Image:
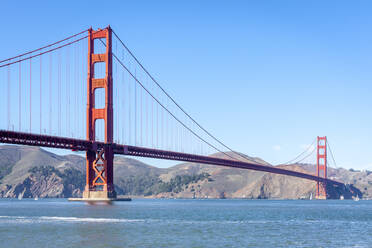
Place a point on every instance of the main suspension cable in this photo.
(41, 48)
(41, 53)
(298, 156)
(184, 111)
(166, 109)
(311, 153)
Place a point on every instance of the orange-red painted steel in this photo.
(321, 167)
(100, 163)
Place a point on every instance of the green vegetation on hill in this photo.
(177, 183)
(138, 185)
(45, 171)
(150, 185)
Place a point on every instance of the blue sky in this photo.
(266, 77)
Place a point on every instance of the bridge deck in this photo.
(12, 137)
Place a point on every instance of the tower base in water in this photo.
(96, 197)
(102, 194)
(321, 197)
(99, 198)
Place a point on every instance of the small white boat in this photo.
(36, 198)
(20, 196)
(311, 196)
(342, 197)
(356, 198)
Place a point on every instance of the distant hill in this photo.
(31, 172)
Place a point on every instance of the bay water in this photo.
(186, 223)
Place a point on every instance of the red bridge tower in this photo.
(99, 177)
(321, 167)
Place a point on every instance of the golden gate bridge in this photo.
(89, 92)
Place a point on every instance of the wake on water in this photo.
(33, 219)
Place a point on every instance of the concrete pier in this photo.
(99, 200)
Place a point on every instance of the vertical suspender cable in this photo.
(166, 135)
(117, 108)
(130, 111)
(68, 90)
(141, 113)
(125, 103)
(135, 109)
(147, 119)
(176, 136)
(152, 123)
(50, 93)
(19, 97)
(76, 81)
(157, 125)
(77, 93)
(59, 93)
(8, 98)
(173, 135)
(30, 95)
(40, 91)
(124, 106)
(82, 93)
(162, 128)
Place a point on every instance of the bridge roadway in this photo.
(29, 139)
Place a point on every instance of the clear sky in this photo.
(266, 77)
